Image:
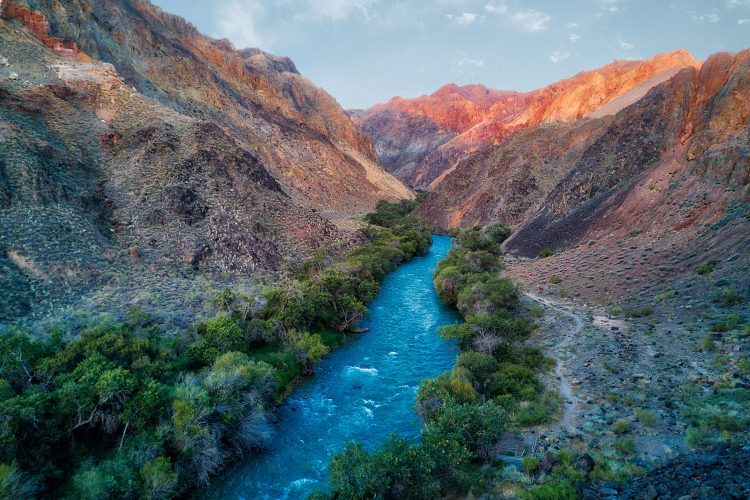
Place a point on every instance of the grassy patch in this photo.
(641, 312)
(621, 426)
(546, 252)
(727, 297)
(721, 415)
(707, 268)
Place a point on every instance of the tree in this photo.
(516, 380)
(159, 480)
(223, 334)
(481, 426)
(497, 232)
(488, 296)
(398, 470)
(450, 454)
(309, 349)
(479, 367)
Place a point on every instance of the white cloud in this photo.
(571, 25)
(573, 37)
(237, 21)
(711, 18)
(496, 8)
(558, 56)
(464, 65)
(625, 45)
(738, 3)
(528, 20)
(743, 22)
(464, 19)
(478, 63)
(338, 10)
(610, 5)
(531, 20)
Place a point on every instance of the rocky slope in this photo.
(131, 143)
(625, 201)
(422, 139)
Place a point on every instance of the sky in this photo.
(367, 51)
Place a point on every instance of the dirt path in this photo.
(561, 353)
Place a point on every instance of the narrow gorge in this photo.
(219, 279)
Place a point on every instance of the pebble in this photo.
(4, 62)
(13, 76)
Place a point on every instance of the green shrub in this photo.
(621, 426)
(544, 408)
(697, 436)
(720, 362)
(16, 484)
(553, 490)
(481, 426)
(646, 417)
(642, 312)
(546, 252)
(726, 297)
(625, 446)
(707, 268)
(608, 468)
(223, 334)
(669, 294)
(491, 295)
(309, 349)
(530, 464)
(479, 366)
(518, 381)
(159, 480)
(708, 344)
(397, 470)
(555, 279)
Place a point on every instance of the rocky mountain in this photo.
(633, 175)
(630, 203)
(131, 142)
(422, 139)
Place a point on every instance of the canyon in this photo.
(210, 199)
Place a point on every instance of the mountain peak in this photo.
(479, 115)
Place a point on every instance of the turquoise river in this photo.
(364, 390)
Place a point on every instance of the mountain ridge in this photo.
(468, 124)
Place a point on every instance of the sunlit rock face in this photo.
(421, 139)
(669, 172)
(130, 140)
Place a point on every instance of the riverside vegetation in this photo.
(493, 388)
(124, 411)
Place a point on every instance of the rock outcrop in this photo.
(37, 24)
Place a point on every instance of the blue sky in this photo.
(367, 51)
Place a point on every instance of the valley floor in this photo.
(631, 388)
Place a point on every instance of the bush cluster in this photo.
(124, 411)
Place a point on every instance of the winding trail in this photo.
(571, 406)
